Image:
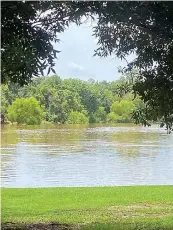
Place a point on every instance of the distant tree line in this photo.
(71, 101)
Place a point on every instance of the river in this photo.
(85, 155)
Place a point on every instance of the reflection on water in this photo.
(85, 155)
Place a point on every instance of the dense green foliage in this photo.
(25, 111)
(77, 118)
(122, 28)
(121, 111)
(146, 29)
(28, 29)
(70, 101)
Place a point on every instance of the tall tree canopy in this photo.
(144, 28)
(122, 28)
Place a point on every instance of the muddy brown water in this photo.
(85, 155)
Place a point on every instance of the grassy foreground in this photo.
(129, 207)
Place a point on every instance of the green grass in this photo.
(148, 207)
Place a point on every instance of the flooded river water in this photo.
(85, 155)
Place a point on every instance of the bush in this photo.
(77, 118)
(25, 111)
(121, 111)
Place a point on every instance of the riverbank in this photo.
(142, 207)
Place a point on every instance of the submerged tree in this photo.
(77, 118)
(121, 111)
(25, 111)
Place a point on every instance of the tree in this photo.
(25, 111)
(89, 98)
(100, 115)
(63, 102)
(4, 98)
(77, 118)
(121, 111)
(144, 28)
(113, 118)
(28, 30)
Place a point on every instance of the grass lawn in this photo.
(129, 207)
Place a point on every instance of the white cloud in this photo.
(74, 65)
(76, 59)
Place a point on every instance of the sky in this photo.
(76, 59)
